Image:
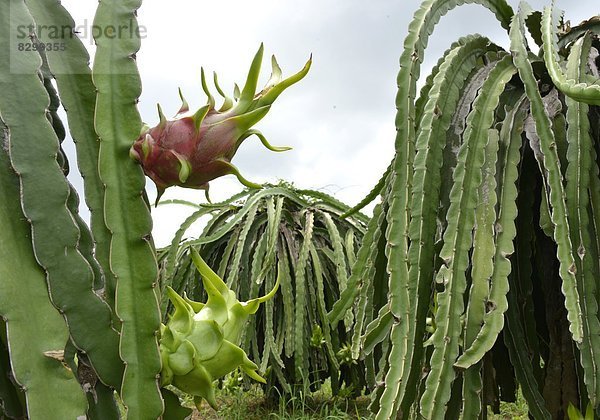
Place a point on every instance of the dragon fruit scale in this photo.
(194, 148)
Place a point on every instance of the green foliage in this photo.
(487, 226)
(298, 237)
(127, 216)
(58, 253)
(574, 413)
(32, 148)
(251, 404)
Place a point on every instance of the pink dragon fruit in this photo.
(193, 149)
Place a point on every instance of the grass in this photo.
(252, 404)
(509, 411)
(240, 404)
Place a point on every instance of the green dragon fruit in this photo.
(200, 341)
(193, 149)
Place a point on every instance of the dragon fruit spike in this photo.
(198, 117)
(249, 89)
(211, 99)
(228, 102)
(185, 107)
(161, 116)
(194, 148)
(264, 141)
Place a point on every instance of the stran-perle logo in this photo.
(85, 31)
(30, 38)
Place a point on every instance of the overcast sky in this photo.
(339, 119)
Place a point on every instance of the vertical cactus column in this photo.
(551, 163)
(33, 148)
(78, 96)
(127, 216)
(404, 295)
(35, 331)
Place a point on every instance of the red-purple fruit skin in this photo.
(215, 139)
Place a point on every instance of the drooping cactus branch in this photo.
(488, 241)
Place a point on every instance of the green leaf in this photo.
(574, 413)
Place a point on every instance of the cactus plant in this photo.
(487, 222)
(91, 291)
